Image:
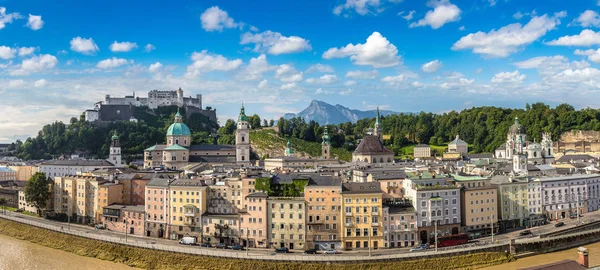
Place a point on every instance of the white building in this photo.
(435, 201)
(458, 146)
(58, 168)
(564, 196)
(534, 197)
(422, 151)
(156, 99)
(516, 143)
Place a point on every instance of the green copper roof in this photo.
(178, 129)
(460, 178)
(242, 115)
(151, 148)
(115, 136)
(326, 137)
(176, 147)
(288, 150)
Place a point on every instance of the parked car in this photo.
(187, 241)
(330, 251)
(525, 232)
(205, 245)
(418, 248)
(560, 224)
(424, 245)
(100, 226)
(310, 251)
(282, 250)
(237, 247)
(221, 246)
(20, 210)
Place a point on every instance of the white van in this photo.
(187, 240)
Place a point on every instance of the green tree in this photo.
(2, 203)
(37, 192)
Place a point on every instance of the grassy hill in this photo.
(267, 143)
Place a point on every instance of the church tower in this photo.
(289, 152)
(242, 140)
(326, 145)
(377, 129)
(114, 156)
(547, 148)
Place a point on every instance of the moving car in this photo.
(418, 248)
(187, 241)
(205, 245)
(525, 232)
(310, 251)
(282, 250)
(221, 246)
(237, 247)
(330, 251)
(560, 224)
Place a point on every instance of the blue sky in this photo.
(276, 56)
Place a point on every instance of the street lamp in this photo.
(435, 235)
(125, 221)
(247, 241)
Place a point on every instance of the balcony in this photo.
(190, 210)
(375, 224)
(189, 222)
(374, 213)
(348, 214)
(349, 224)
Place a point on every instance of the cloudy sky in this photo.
(276, 56)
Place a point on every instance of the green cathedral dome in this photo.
(178, 129)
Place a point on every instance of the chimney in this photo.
(582, 259)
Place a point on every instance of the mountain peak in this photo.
(325, 113)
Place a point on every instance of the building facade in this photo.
(362, 211)
(323, 196)
(286, 216)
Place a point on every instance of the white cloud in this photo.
(149, 47)
(84, 45)
(40, 83)
(320, 68)
(111, 63)
(592, 55)
(253, 28)
(478, 70)
(362, 75)
(7, 52)
(509, 77)
(377, 51)
(35, 64)
(35, 22)
(443, 12)
(492, 2)
(455, 84)
(275, 43)
(408, 16)
(263, 84)
(585, 38)
(155, 67)
(255, 69)
(432, 67)
(122, 46)
(288, 86)
(361, 7)
(215, 19)
(325, 79)
(205, 62)
(320, 91)
(24, 51)
(350, 83)
(346, 92)
(519, 15)
(395, 79)
(7, 18)
(508, 39)
(287, 73)
(576, 75)
(588, 18)
(550, 65)
(462, 28)
(16, 83)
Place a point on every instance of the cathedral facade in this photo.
(179, 152)
(517, 147)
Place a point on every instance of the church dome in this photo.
(178, 129)
(516, 128)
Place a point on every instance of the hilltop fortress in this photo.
(123, 108)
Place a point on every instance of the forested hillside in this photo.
(93, 141)
(484, 128)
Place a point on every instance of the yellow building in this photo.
(108, 193)
(77, 196)
(362, 212)
(288, 223)
(24, 172)
(188, 202)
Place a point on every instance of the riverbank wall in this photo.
(156, 259)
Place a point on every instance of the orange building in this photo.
(324, 204)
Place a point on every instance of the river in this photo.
(19, 254)
(569, 254)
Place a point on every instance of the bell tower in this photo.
(377, 128)
(114, 156)
(326, 145)
(242, 140)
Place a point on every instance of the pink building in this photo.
(124, 218)
(253, 223)
(157, 207)
(400, 225)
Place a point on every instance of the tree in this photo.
(37, 192)
(271, 122)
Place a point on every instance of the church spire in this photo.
(326, 137)
(242, 116)
(178, 118)
(377, 128)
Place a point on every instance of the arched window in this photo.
(375, 160)
(366, 160)
(184, 141)
(243, 139)
(549, 154)
(176, 141)
(534, 154)
(243, 158)
(381, 160)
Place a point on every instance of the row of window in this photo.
(362, 232)
(439, 212)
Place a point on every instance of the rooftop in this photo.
(188, 183)
(6, 169)
(361, 188)
(371, 145)
(70, 162)
(465, 178)
(211, 147)
(569, 177)
(132, 208)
